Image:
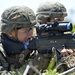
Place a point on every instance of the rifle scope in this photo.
(54, 26)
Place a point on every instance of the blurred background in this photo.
(33, 4)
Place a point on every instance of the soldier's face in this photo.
(24, 34)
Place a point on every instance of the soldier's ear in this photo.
(11, 34)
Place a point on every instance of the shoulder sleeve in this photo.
(4, 65)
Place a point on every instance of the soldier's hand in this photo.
(66, 51)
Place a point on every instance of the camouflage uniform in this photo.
(13, 58)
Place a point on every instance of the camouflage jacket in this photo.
(5, 68)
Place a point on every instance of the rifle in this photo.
(56, 37)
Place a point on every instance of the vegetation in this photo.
(73, 30)
(53, 67)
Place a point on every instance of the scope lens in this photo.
(69, 26)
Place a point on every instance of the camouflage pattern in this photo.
(4, 64)
(50, 9)
(70, 60)
(17, 16)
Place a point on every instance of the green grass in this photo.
(73, 30)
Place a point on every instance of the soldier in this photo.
(47, 12)
(16, 31)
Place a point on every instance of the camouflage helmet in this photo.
(17, 16)
(52, 9)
